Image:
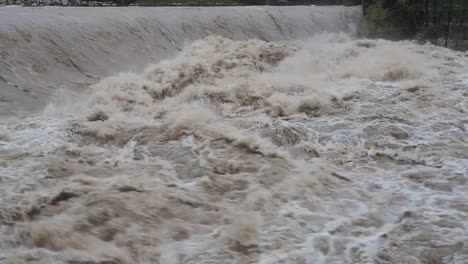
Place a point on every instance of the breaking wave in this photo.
(330, 150)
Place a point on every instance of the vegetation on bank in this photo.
(443, 22)
(247, 2)
(186, 2)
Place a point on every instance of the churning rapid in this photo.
(329, 149)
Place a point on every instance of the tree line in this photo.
(443, 22)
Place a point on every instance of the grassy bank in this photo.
(187, 2)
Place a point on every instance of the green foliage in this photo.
(377, 19)
(439, 21)
(186, 2)
(407, 17)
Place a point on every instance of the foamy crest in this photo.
(331, 150)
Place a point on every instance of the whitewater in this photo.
(228, 135)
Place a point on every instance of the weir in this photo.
(44, 49)
(235, 135)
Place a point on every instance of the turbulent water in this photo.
(326, 150)
(50, 48)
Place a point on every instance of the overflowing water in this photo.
(326, 150)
